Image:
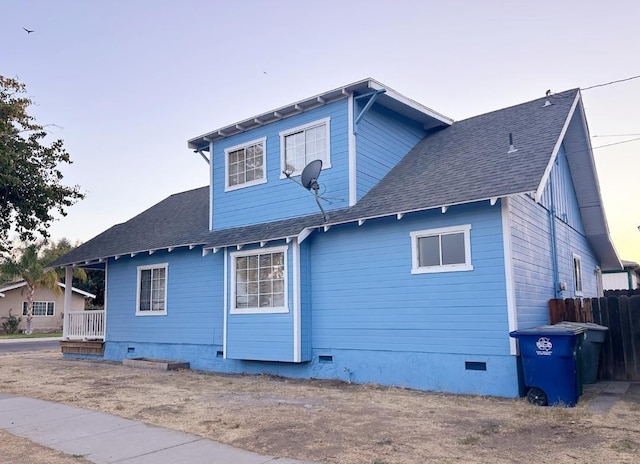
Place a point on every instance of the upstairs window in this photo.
(301, 145)
(577, 274)
(245, 164)
(259, 281)
(40, 308)
(152, 290)
(446, 249)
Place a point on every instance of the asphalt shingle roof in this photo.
(465, 162)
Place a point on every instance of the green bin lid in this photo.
(547, 330)
(586, 325)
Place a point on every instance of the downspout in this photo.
(554, 255)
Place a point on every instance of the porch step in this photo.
(95, 347)
(157, 364)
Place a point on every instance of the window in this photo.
(577, 274)
(259, 281)
(301, 145)
(152, 290)
(245, 164)
(40, 308)
(441, 250)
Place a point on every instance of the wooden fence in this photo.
(620, 354)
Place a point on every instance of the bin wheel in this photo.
(536, 396)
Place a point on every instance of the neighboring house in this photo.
(441, 238)
(626, 279)
(47, 305)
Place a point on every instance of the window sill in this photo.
(151, 313)
(439, 269)
(245, 185)
(299, 173)
(282, 310)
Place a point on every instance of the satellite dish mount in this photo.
(309, 180)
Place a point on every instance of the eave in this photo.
(389, 99)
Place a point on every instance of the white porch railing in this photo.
(83, 325)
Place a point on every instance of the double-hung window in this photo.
(152, 290)
(301, 145)
(245, 164)
(446, 249)
(40, 308)
(577, 274)
(259, 281)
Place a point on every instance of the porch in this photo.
(84, 325)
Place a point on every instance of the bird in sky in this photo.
(29, 31)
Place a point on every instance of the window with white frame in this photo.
(40, 308)
(245, 164)
(577, 274)
(446, 249)
(301, 145)
(259, 281)
(152, 290)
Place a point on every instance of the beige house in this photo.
(47, 305)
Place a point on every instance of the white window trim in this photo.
(415, 264)
(227, 187)
(578, 258)
(40, 315)
(166, 286)
(267, 310)
(325, 164)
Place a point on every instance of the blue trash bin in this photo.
(550, 363)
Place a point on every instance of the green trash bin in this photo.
(589, 356)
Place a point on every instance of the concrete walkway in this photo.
(31, 339)
(105, 439)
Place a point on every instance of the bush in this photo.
(11, 323)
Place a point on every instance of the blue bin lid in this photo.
(547, 330)
(586, 325)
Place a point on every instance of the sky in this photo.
(125, 84)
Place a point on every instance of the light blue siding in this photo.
(263, 337)
(533, 242)
(305, 301)
(281, 198)
(383, 138)
(532, 260)
(365, 297)
(194, 299)
(564, 195)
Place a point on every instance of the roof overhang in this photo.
(389, 99)
(576, 139)
(22, 283)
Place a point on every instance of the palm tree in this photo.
(30, 268)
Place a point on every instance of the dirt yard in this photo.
(333, 422)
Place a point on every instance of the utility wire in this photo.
(616, 135)
(616, 143)
(610, 83)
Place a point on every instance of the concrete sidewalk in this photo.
(104, 438)
(32, 339)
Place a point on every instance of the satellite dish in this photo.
(310, 174)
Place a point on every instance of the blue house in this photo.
(440, 237)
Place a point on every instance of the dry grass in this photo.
(16, 450)
(331, 422)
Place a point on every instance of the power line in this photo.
(616, 143)
(616, 135)
(610, 83)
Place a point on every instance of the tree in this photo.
(31, 188)
(29, 267)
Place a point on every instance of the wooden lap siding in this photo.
(194, 299)
(255, 204)
(365, 297)
(383, 138)
(532, 249)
